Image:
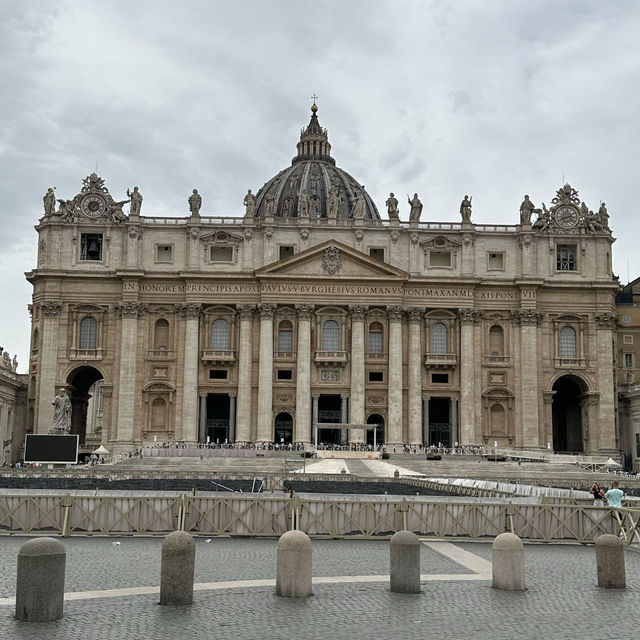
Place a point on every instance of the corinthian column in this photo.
(265, 376)
(303, 374)
(468, 318)
(129, 312)
(357, 372)
(394, 433)
(606, 426)
(528, 319)
(245, 348)
(191, 313)
(414, 377)
(48, 358)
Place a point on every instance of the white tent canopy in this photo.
(612, 463)
(101, 450)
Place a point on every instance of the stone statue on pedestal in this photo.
(49, 202)
(136, 201)
(526, 209)
(61, 413)
(392, 207)
(416, 208)
(249, 205)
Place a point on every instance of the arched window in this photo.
(159, 414)
(220, 335)
(375, 337)
(567, 343)
(497, 419)
(330, 336)
(161, 335)
(88, 333)
(438, 338)
(285, 336)
(496, 340)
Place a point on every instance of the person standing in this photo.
(614, 495)
(598, 495)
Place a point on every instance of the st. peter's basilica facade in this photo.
(312, 309)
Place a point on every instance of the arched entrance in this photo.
(283, 430)
(86, 404)
(378, 420)
(567, 415)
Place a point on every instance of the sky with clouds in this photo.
(443, 97)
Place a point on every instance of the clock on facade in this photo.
(93, 205)
(566, 217)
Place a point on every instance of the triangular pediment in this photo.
(331, 259)
(221, 237)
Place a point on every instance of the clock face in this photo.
(566, 217)
(93, 205)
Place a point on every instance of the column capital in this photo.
(245, 311)
(547, 396)
(605, 320)
(357, 311)
(266, 310)
(415, 314)
(305, 311)
(395, 312)
(527, 317)
(131, 309)
(469, 316)
(51, 309)
(189, 310)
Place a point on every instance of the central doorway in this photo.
(329, 410)
(567, 416)
(218, 411)
(378, 420)
(439, 422)
(283, 429)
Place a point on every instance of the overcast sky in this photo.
(495, 99)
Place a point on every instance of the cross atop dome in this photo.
(314, 140)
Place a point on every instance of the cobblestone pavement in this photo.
(353, 601)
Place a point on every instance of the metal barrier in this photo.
(334, 517)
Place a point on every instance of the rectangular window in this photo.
(440, 378)
(376, 253)
(286, 250)
(284, 374)
(495, 261)
(566, 259)
(628, 360)
(164, 253)
(439, 258)
(218, 374)
(627, 339)
(91, 246)
(376, 376)
(221, 254)
(375, 341)
(626, 319)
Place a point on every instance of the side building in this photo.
(311, 309)
(13, 405)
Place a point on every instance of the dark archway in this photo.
(283, 429)
(376, 419)
(80, 381)
(567, 415)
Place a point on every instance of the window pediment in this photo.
(441, 242)
(221, 237)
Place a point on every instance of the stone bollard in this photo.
(404, 562)
(40, 584)
(177, 569)
(610, 561)
(293, 571)
(508, 562)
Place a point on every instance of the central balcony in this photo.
(331, 357)
(218, 355)
(440, 360)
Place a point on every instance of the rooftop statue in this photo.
(195, 202)
(303, 204)
(249, 203)
(392, 207)
(416, 208)
(465, 209)
(49, 202)
(359, 207)
(526, 209)
(136, 201)
(333, 202)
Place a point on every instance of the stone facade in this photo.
(13, 401)
(312, 309)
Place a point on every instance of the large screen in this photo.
(60, 449)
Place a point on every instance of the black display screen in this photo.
(60, 449)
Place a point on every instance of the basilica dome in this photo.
(313, 187)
